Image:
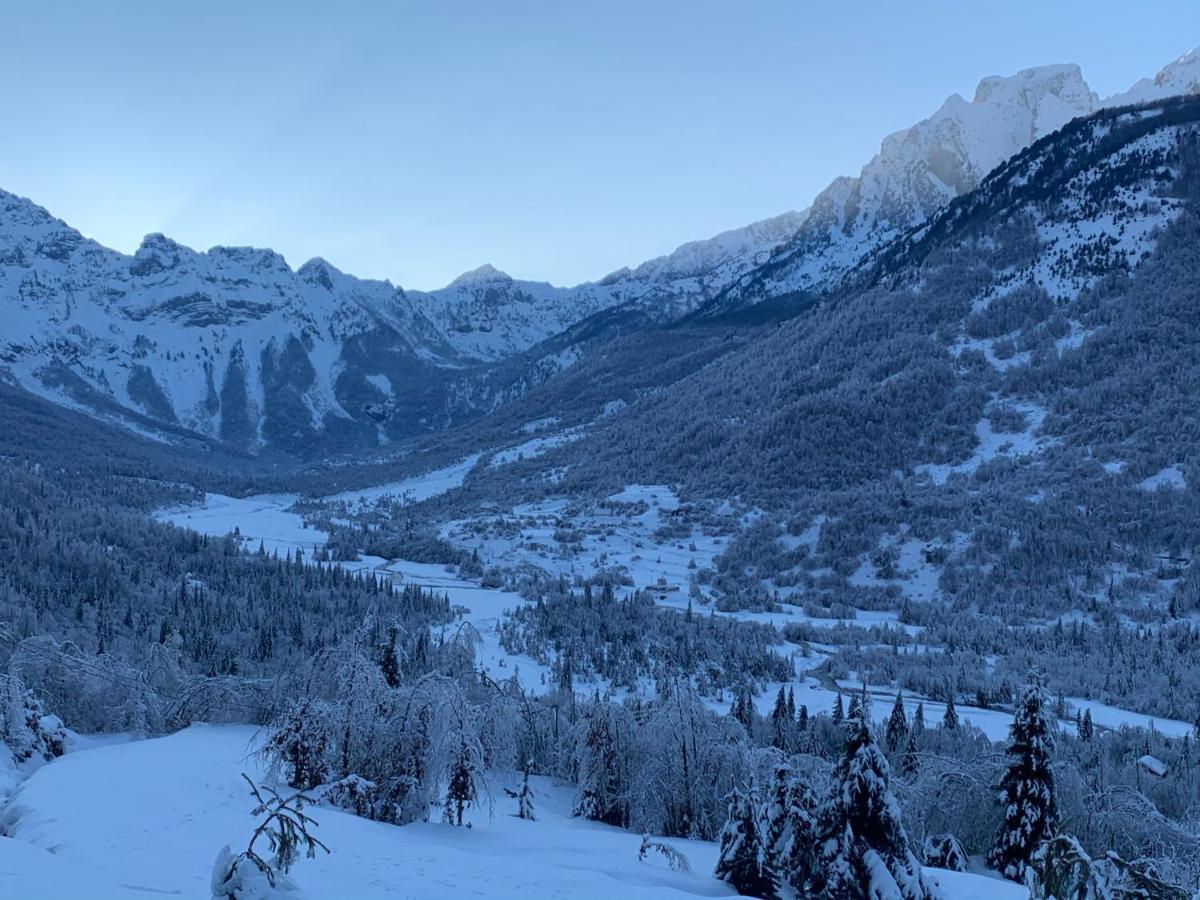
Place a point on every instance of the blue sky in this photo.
(558, 141)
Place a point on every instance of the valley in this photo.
(848, 554)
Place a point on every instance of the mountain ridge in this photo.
(232, 344)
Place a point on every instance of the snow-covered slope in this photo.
(920, 169)
(148, 817)
(230, 343)
(1180, 77)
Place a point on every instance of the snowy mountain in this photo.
(920, 169)
(234, 345)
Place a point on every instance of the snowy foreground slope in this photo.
(147, 817)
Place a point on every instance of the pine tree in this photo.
(896, 734)
(774, 818)
(1086, 729)
(918, 722)
(779, 721)
(743, 860)
(1027, 792)
(864, 851)
(791, 704)
(524, 796)
(838, 714)
(854, 708)
(389, 665)
(950, 719)
(792, 852)
(802, 718)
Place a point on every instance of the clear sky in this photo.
(556, 140)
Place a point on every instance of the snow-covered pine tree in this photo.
(1027, 791)
(950, 719)
(863, 848)
(24, 725)
(286, 830)
(524, 796)
(793, 853)
(773, 826)
(896, 735)
(918, 722)
(853, 708)
(945, 852)
(1062, 870)
(838, 713)
(743, 861)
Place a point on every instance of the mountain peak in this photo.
(1061, 80)
(1179, 77)
(320, 271)
(485, 274)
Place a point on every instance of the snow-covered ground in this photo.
(264, 518)
(536, 447)
(410, 490)
(149, 818)
(127, 821)
(1114, 717)
(605, 536)
(992, 444)
(618, 533)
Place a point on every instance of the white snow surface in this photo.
(147, 818)
(262, 518)
(411, 490)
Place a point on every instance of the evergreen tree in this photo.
(863, 849)
(918, 722)
(896, 734)
(1086, 729)
(854, 708)
(792, 851)
(1027, 791)
(743, 861)
(389, 665)
(524, 796)
(775, 819)
(838, 714)
(780, 721)
(950, 719)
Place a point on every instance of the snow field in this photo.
(125, 821)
